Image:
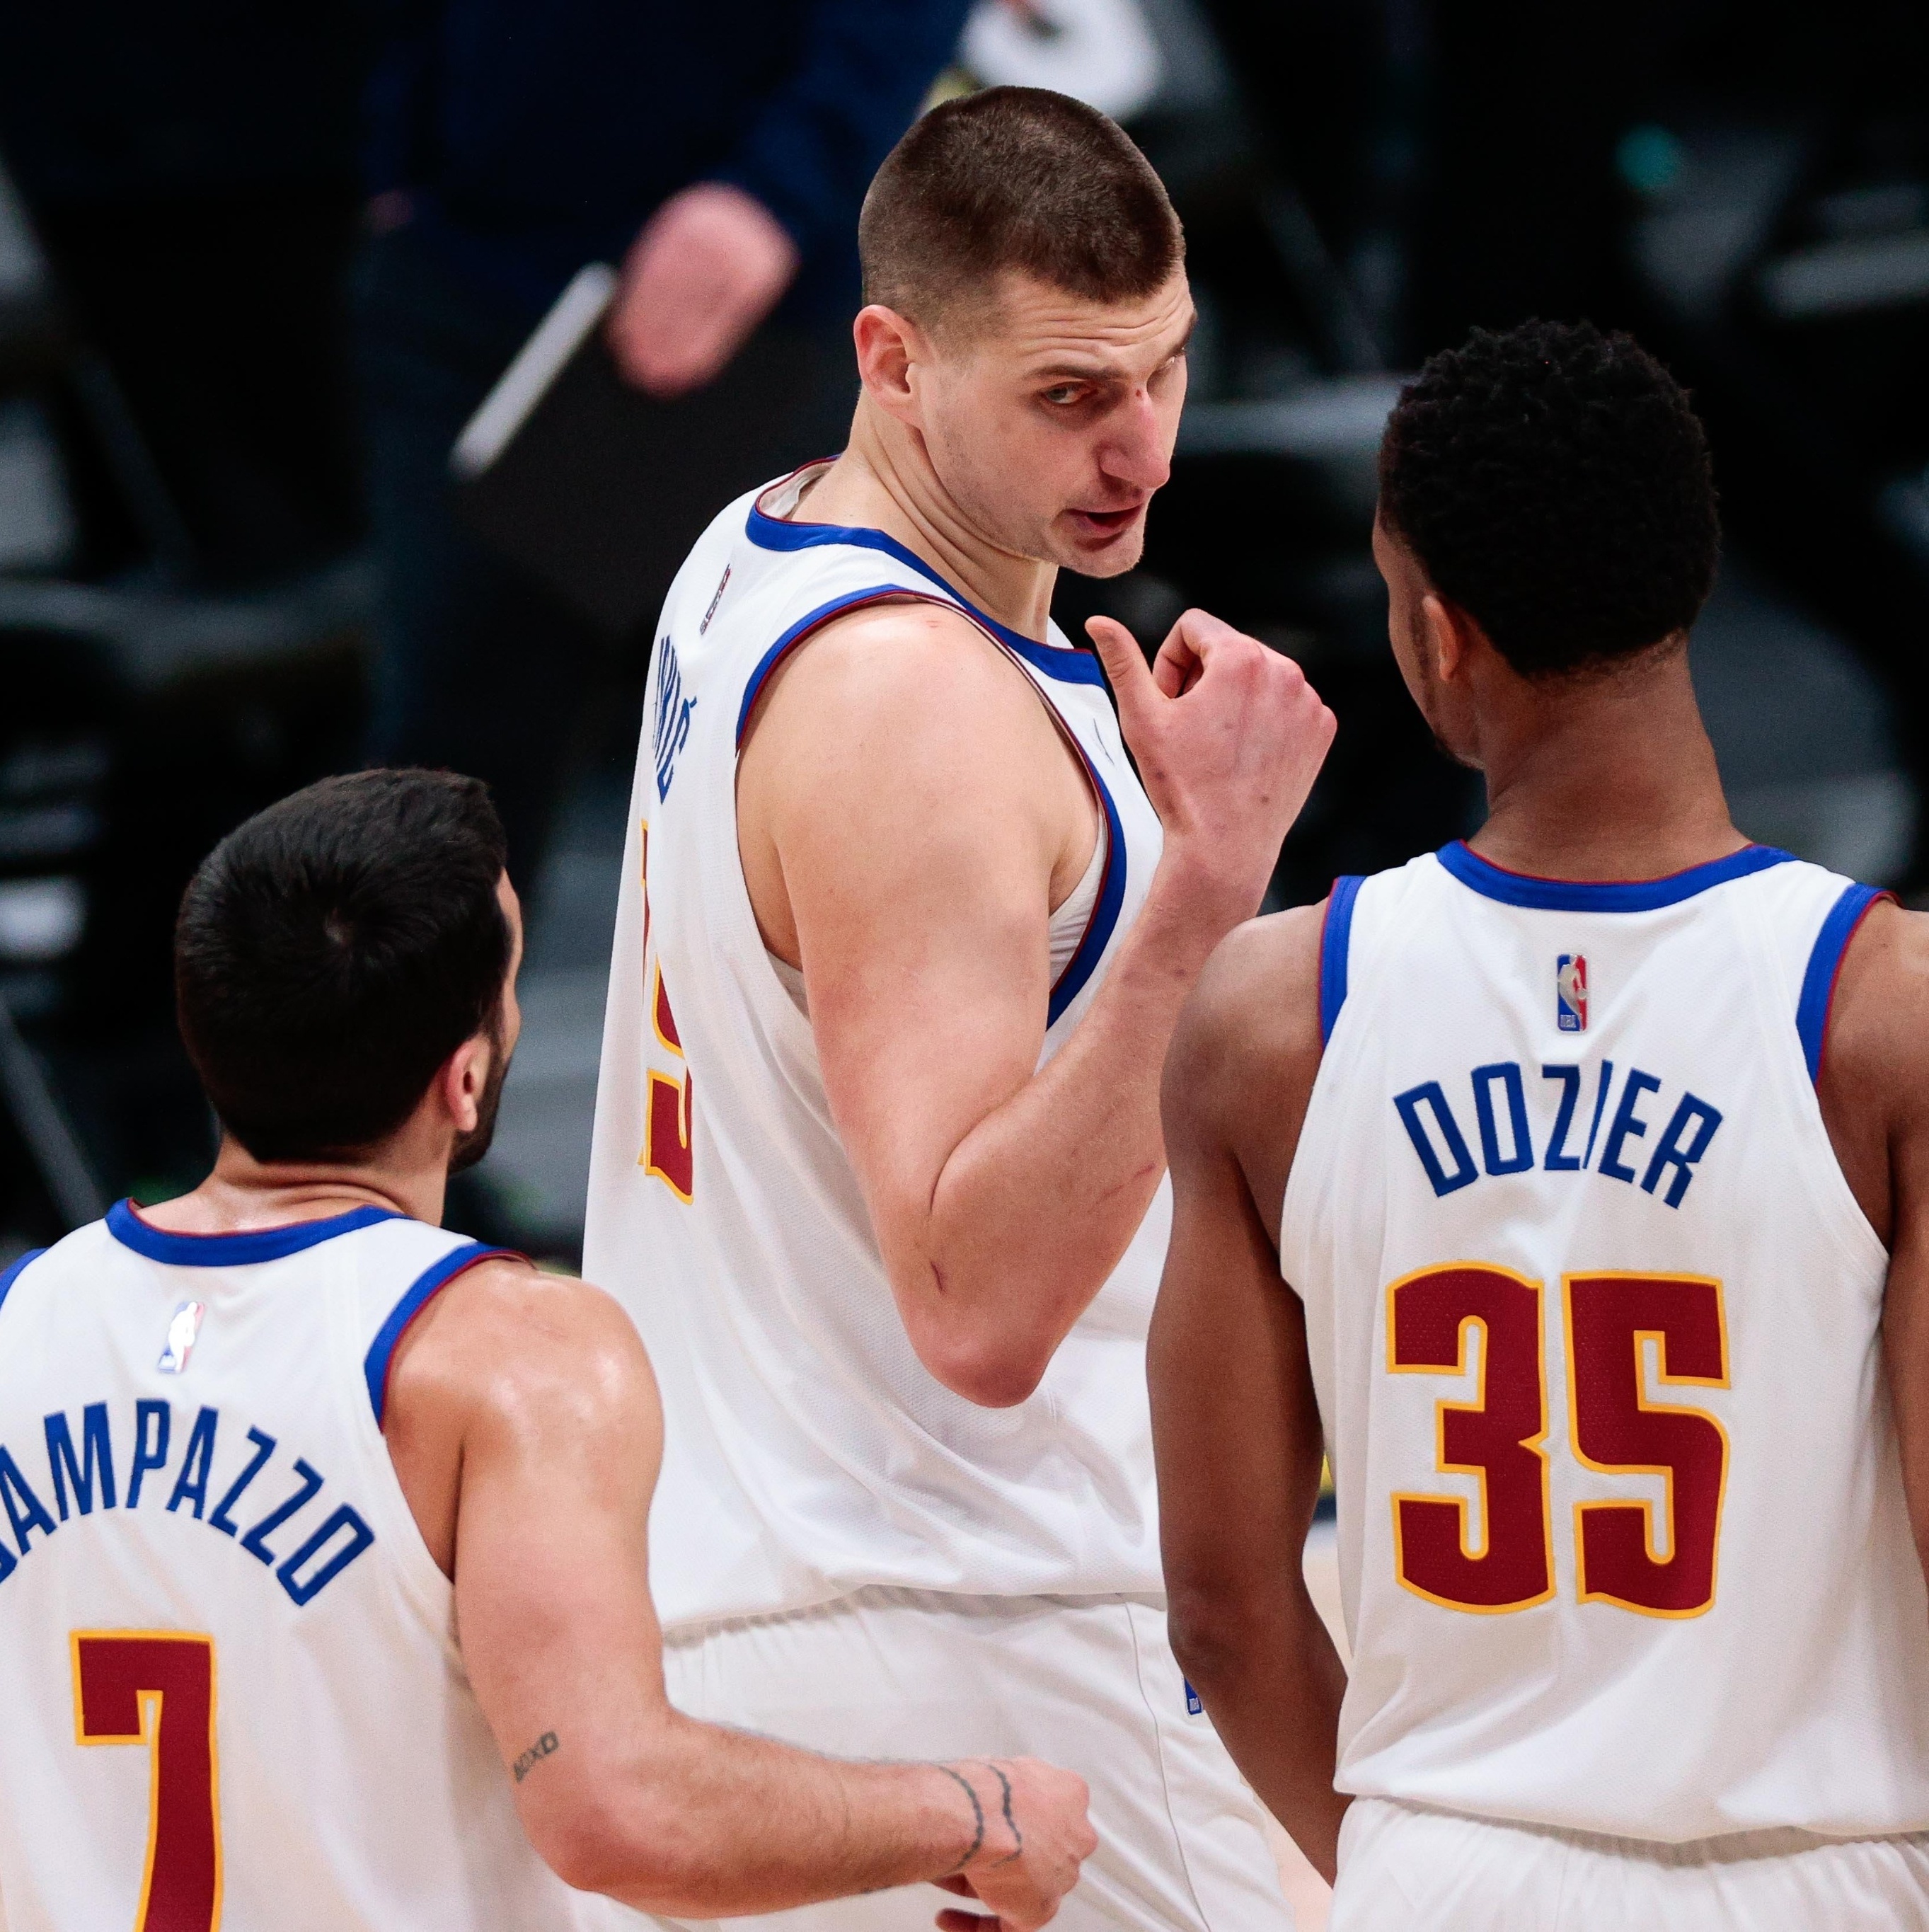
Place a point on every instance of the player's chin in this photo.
(1099, 545)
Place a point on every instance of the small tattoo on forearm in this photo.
(546, 1744)
(977, 1817)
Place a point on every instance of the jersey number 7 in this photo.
(1499, 1437)
(156, 1688)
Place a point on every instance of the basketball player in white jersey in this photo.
(1570, 1188)
(877, 1165)
(322, 1597)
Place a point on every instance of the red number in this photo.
(156, 1688)
(1610, 1321)
(662, 1019)
(1617, 1431)
(666, 1140)
(1497, 1437)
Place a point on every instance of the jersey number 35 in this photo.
(1500, 1437)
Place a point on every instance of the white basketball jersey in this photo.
(809, 1452)
(228, 1665)
(1594, 1322)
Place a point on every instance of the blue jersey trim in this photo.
(261, 1244)
(1071, 666)
(1336, 934)
(1522, 888)
(14, 1269)
(1104, 921)
(421, 1291)
(1825, 965)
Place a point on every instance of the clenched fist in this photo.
(1035, 1836)
(1229, 737)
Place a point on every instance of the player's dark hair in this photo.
(331, 952)
(1554, 483)
(1014, 178)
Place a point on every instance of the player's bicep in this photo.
(916, 842)
(553, 1607)
(1235, 1422)
(1874, 1092)
(1906, 1306)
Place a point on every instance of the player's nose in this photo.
(1138, 452)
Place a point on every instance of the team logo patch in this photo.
(1571, 993)
(182, 1331)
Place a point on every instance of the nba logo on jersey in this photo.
(182, 1332)
(1571, 993)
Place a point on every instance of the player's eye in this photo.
(1063, 394)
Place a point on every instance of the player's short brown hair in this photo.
(1014, 178)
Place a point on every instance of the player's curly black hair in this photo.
(1554, 483)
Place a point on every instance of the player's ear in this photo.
(887, 344)
(1441, 626)
(509, 1013)
(464, 1079)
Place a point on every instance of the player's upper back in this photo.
(206, 1551)
(1595, 1317)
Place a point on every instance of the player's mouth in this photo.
(1103, 525)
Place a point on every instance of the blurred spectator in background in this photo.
(192, 172)
(720, 153)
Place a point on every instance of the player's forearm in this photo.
(1272, 1683)
(703, 1822)
(1033, 1208)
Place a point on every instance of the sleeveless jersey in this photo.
(227, 1661)
(1594, 1320)
(809, 1452)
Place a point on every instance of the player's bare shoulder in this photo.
(504, 1318)
(900, 748)
(899, 663)
(1874, 1080)
(511, 1354)
(1247, 1047)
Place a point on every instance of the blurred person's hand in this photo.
(708, 267)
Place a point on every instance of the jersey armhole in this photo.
(13, 1271)
(1099, 929)
(1335, 934)
(381, 1356)
(1104, 920)
(1825, 968)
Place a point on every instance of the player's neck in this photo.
(242, 1193)
(884, 480)
(1611, 779)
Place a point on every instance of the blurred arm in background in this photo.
(725, 149)
(713, 261)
